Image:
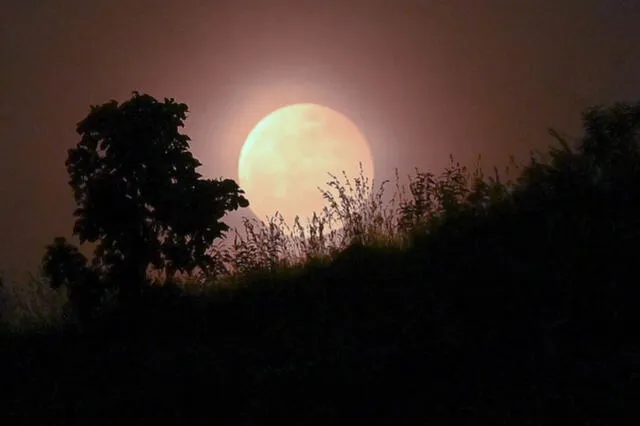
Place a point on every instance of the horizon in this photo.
(421, 80)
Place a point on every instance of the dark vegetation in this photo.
(472, 299)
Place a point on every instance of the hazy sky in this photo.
(421, 78)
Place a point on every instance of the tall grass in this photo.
(31, 304)
(358, 210)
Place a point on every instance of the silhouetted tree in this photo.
(138, 193)
(64, 266)
(62, 263)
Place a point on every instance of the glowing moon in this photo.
(288, 154)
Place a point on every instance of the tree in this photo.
(64, 265)
(612, 144)
(139, 196)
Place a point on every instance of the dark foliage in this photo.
(516, 306)
(3, 297)
(140, 198)
(65, 266)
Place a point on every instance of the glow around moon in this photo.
(289, 154)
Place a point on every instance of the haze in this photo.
(422, 79)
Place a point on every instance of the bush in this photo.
(32, 304)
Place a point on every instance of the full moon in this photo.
(288, 155)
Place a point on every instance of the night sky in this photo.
(422, 79)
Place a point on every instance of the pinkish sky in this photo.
(422, 79)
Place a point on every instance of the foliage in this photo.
(3, 296)
(506, 302)
(31, 304)
(351, 215)
(139, 196)
(358, 212)
(64, 266)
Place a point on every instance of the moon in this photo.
(288, 155)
